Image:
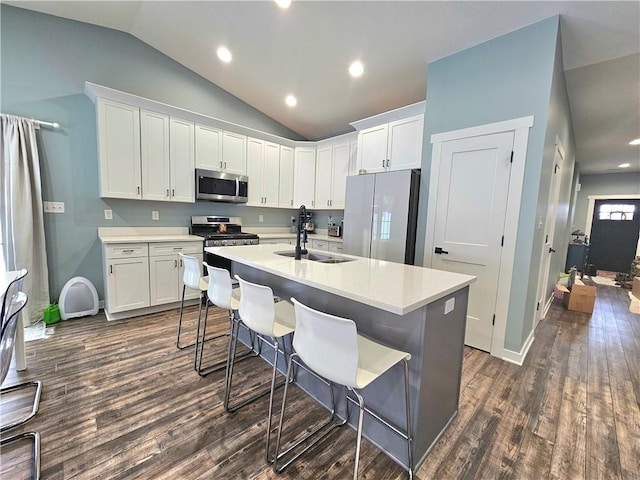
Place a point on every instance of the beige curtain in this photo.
(21, 214)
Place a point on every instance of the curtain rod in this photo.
(40, 123)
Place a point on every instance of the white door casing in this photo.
(543, 296)
(520, 127)
(471, 207)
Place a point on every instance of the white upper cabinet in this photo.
(263, 170)
(119, 149)
(271, 174)
(167, 153)
(323, 175)
(208, 148)
(392, 146)
(154, 150)
(332, 168)
(182, 160)
(234, 153)
(285, 184)
(305, 177)
(372, 148)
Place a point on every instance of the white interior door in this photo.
(473, 185)
(543, 295)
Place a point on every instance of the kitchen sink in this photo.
(315, 257)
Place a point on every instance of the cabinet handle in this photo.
(225, 165)
(387, 163)
(167, 192)
(175, 264)
(177, 248)
(110, 268)
(313, 203)
(291, 203)
(220, 165)
(128, 251)
(173, 192)
(138, 190)
(181, 263)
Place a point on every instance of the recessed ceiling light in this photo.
(635, 142)
(224, 54)
(291, 100)
(283, 3)
(356, 69)
(624, 165)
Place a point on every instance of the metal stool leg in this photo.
(359, 437)
(36, 449)
(233, 341)
(182, 347)
(199, 351)
(408, 408)
(34, 408)
(317, 432)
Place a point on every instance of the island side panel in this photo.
(386, 395)
(441, 371)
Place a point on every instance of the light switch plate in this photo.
(449, 305)
(53, 207)
(108, 214)
(155, 215)
(260, 218)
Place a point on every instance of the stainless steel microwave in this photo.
(221, 186)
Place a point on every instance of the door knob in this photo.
(440, 251)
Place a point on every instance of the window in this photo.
(616, 212)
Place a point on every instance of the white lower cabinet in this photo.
(276, 241)
(127, 272)
(319, 244)
(140, 275)
(335, 247)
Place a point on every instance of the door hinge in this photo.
(511, 161)
(493, 322)
(502, 241)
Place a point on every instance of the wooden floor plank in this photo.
(121, 402)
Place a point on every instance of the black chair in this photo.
(7, 342)
(14, 287)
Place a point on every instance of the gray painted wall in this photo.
(559, 126)
(45, 61)
(502, 79)
(611, 184)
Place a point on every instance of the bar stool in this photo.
(222, 294)
(191, 279)
(13, 287)
(8, 334)
(270, 321)
(331, 347)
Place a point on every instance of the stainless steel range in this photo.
(218, 231)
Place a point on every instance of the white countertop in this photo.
(389, 286)
(146, 235)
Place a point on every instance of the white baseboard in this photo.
(145, 311)
(518, 357)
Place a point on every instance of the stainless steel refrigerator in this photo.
(381, 214)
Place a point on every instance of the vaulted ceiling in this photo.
(306, 49)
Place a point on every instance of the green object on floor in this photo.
(51, 314)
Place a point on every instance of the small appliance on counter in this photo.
(308, 225)
(334, 230)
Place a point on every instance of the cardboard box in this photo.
(635, 291)
(581, 298)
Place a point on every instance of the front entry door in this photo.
(614, 234)
(473, 185)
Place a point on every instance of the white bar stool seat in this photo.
(222, 294)
(191, 278)
(332, 347)
(271, 321)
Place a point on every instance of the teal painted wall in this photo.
(604, 184)
(502, 79)
(45, 61)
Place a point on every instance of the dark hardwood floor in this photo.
(120, 402)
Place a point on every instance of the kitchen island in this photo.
(418, 310)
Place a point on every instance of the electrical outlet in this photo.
(108, 214)
(53, 207)
(260, 218)
(449, 305)
(155, 215)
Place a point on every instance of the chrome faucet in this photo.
(301, 232)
